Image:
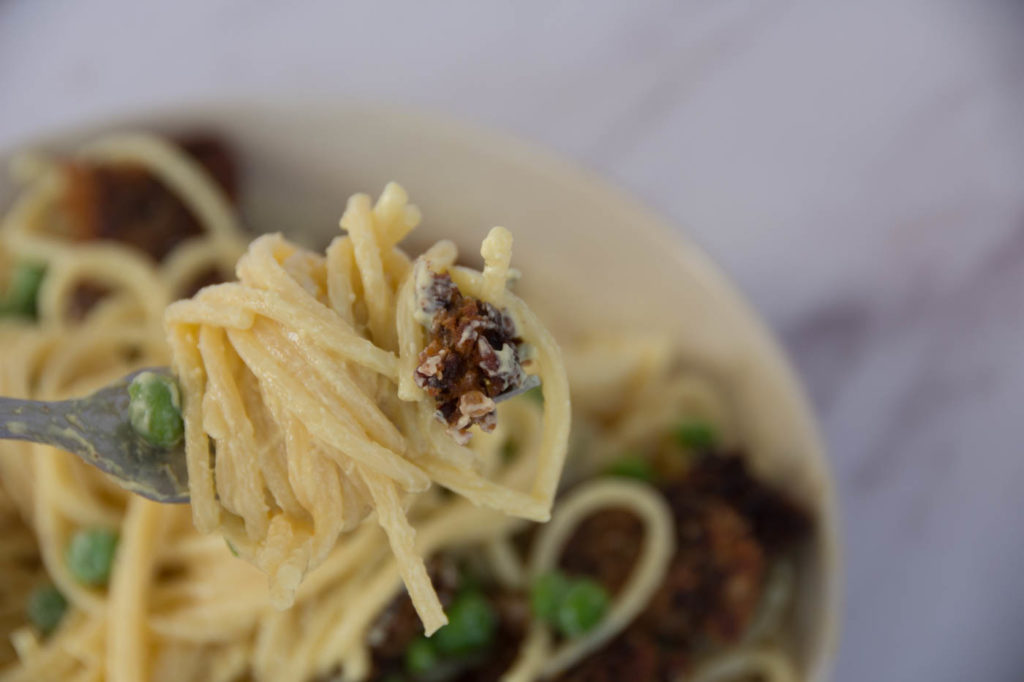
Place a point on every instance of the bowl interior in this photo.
(593, 257)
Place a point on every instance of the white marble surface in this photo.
(857, 166)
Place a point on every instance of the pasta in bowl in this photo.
(660, 532)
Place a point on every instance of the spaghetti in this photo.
(296, 389)
(303, 377)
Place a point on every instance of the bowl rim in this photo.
(671, 237)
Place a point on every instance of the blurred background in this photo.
(858, 168)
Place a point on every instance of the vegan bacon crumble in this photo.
(473, 354)
(126, 203)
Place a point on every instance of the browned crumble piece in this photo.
(472, 354)
(126, 203)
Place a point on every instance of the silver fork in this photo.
(98, 430)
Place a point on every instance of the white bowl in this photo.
(593, 257)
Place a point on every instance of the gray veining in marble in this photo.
(857, 166)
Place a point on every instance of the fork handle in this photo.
(49, 423)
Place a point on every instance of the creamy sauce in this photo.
(17, 428)
(68, 435)
(424, 280)
(508, 365)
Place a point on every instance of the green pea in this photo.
(582, 608)
(472, 625)
(470, 581)
(509, 449)
(633, 466)
(155, 409)
(421, 656)
(546, 595)
(695, 435)
(45, 608)
(23, 291)
(536, 395)
(91, 554)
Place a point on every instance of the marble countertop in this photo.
(858, 167)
